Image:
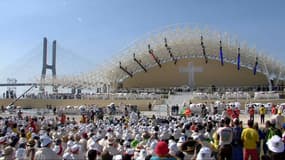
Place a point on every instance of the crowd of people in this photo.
(135, 137)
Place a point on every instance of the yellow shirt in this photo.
(249, 137)
(262, 110)
(215, 141)
(15, 130)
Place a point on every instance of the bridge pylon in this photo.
(46, 66)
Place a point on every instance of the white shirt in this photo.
(279, 121)
(225, 135)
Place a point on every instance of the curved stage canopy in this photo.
(177, 56)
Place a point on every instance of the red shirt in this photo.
(236, 113)
(62, 119)
(251, 111)
(273, 110)
(230, 112)
(193, 127)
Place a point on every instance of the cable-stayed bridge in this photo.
(27, 70)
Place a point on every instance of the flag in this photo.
(221, 54)
(238, 59)
(204, 50)
(255, 66)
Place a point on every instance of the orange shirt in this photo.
(187, 112)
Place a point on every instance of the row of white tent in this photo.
(122, 96)
(266, 95)
(235, 95)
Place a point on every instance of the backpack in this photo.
(273, 131)
(237, 136)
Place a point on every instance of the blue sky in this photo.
(97, 29)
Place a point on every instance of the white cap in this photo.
(204, 154)
(45, 140)
(143, 153)
(67, 156)
(56, 149)
(70, 143)
(117, 157)
(20, 153)
(138, 137)
(130, 151)
(182, 139)
(173, 149)
(2, 140)
(95, 146)
(275, 144)
(75, 148)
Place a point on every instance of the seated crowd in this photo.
(138, 137)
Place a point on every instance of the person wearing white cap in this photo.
(20, 154)
(205, 154)
(95, 147)
(45, 153)
(58, 150)
(276, 148)
(177, 133)
(75, 152)
(69, 144)
(150, 149)
(173, 149)
(67, 156)
(181, 140)
(142, 155)
(111, 148)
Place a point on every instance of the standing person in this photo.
(250, 138)
(212, 111)
(283, 132)
(273, 110)
(237, 143)
(54, 110)
(276, 148)
(236, 113)
(45, 152)
(261, 137)
(273, 130)
(251, 113)
(225, 136)
(2, 108)
(215, 110)
(262, 113)
(225, 114)
(31, 149)
(149, 106)
(230, 111)
(279, 119)
(265, 133)
(62, 119)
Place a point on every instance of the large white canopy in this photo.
(185, 42)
